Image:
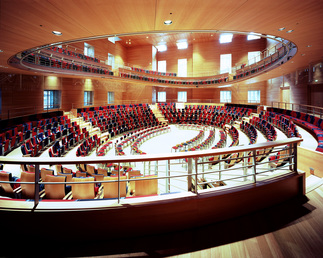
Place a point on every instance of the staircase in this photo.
(80, 121)
(158, 114)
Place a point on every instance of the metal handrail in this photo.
(309, 109)
(152, 157)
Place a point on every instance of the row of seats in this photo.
(266, 128)
(312, 123)
(206, 143)
(73, 54)
(88, 145)
(64, 191)
(62, 64)
(187, 145)
(152, 72)
(250, 131)
(122, 106)
(121, 120)
(172, 81)
(140, 137)
(281, 122)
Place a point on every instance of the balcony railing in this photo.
(191, 171)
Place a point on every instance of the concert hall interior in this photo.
(178, 128)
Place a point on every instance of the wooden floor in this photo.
(294, 229)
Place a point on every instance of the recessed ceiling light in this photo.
(302, 54)
(308, 45)
(289, 31)
(168, 22)
(1, 50)
(282, 28)
(147, 37)
(57, 33)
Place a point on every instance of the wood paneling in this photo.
(310, 159)
(206, 55)
(173, 54)
(140, 56)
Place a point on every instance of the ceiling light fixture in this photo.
(57, 33)
(1, 50)
(282, 28)
(308, 45)
(289, 31)
(168, 22)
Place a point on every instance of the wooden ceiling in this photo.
(28, 23)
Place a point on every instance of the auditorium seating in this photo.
(8, 189)
(312, 124)
(152, 72)
(161, 80)
(110, 189)
(55, 191)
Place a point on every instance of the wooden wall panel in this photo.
(140, 56)
(21, 94)
(137, 93)
(206, 55)
(173, 54)
(102, 48)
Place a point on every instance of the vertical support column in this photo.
(118, 182)
(36, 200)
(167, 179)
(196, 182)
(144, 168)
(295, 156)
(245, 164)
(156, 167)
(220, 168)
(189, 172)
(254, 166)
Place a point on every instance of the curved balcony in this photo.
(51, 59)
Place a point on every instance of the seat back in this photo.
(146, 187)
(133, 173)
(102, 171)
(90, 169)
(45, 171)
(111, 188)
(83, 191)
(80, 174)
(27, 190)
(54, 191)
(68, 176)
(6, 176)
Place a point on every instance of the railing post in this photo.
(220, 167)
(167, 174)
(254, 166)
(36, 200)
(245, 163)
(295, 156)
(118, 182)
(189, 172)
(196, 182)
